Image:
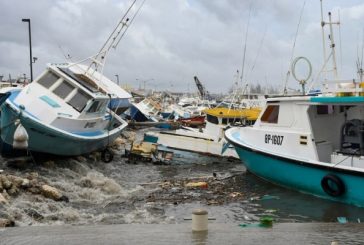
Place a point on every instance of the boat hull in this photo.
(302, 176)
(45, 139)
(190, 143)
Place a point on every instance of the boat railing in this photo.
(343, 87)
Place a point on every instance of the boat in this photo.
(146, 110)
(313, 143)
(209, 139)
(70, 109)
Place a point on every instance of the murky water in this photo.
(119, 192)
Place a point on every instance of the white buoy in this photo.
(334, 243)
(199, 220)
(20, 136)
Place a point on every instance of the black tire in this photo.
(333, 185)
(107, 156)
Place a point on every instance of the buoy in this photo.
(21, 137)
(199, 220)
(334, 243)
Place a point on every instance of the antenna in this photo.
(359, 61)
(294, 45)
(246, 39)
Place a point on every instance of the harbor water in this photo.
(119, 192)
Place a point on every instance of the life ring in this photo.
(107, 156)
(293, 69)
(333, 185)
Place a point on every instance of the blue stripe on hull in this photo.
(305, 179)
(48, 140)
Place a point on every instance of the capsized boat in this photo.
(145, 110)
(70, 109)
(210, 139)
(64, 112)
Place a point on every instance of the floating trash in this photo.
(269, 197)
(342, 220)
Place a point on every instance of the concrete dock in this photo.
(284, 233)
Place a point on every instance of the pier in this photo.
(218, 233)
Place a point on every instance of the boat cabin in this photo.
(326, 129)
(64, 97)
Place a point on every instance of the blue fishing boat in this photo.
(62, 114)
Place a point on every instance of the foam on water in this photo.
(117, 193)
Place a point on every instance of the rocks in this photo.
(6, 183)
(53, 193)
(119, 141)
(81, 159)
(34, 214)
(25, 183)
(19, 162)
(11, 184)
(3, 199)
(6, 223)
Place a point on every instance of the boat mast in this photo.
(323, 34)
(98, 60)
(332, 46)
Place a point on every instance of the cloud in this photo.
(172, 41)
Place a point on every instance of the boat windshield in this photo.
(79, 100)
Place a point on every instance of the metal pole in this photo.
(30, 49)
(117, 79)
(333, 46)
(323, 36)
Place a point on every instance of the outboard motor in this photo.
(352, 137)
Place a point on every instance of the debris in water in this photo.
(342, 220)
(268, 197)
(264, 222)
(201, 184)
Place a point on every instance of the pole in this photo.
(30, 49)
(117, 79)
(323, 35)
(333, 46)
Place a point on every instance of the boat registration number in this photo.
(274, 139)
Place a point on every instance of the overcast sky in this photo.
(171, 41)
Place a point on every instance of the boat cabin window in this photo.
(95, 107)
(63, 90)
(79, 100)
(231, 121)
(212, 119)
(325, 109)
(48, 79)
(270, 114)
